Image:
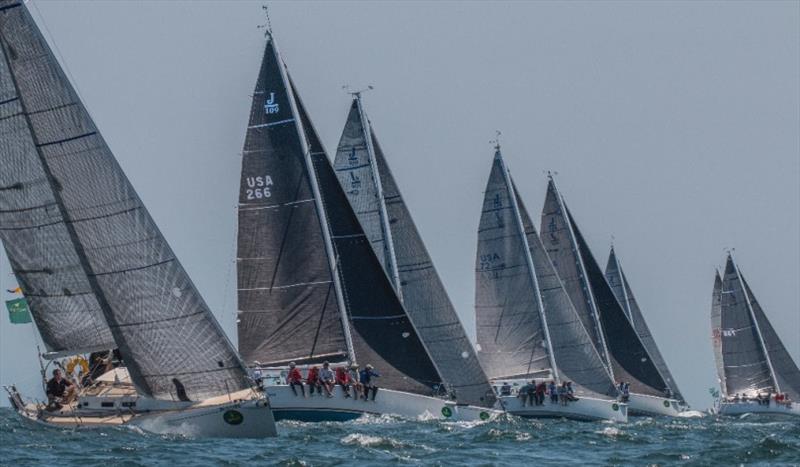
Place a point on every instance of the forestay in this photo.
(396, 241)
(619, 285)
(511, 328)
(358, 293)
(114, 254)
(615, 338)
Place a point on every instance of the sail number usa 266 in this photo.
(259, 187)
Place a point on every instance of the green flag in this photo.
(18, 311)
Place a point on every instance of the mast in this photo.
(624, 289)
(582, 266)
(755, 322)
(387, 231)
(323, 218)
(521, 228)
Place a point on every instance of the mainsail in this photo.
(374, 195)
(281, 271)
(753, 358)
(527, 326)
(622, 290)
(614, 336)
(83, 246)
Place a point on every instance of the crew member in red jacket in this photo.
(294, 378)
(343, 379)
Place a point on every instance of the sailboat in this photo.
(752, 363)
(622, 290)
(615, 339)
(310, 287)
(526, 324)
(95, 270)
(371, 189)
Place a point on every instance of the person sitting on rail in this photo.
(294, 378)
(353, 376)
(570, 392)
(343, 380)
(60, 391)
(505, 389)
(312, 379)
(327, 378)
(368, 375)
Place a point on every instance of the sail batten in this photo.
(371, 189)
(113, 271)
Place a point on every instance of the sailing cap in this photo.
(292, 364)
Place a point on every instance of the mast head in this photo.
(357, 92)
(267, 25)
(496, 142)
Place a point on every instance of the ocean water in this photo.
(392, 441)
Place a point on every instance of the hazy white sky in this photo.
(673, 126)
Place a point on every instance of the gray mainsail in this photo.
(745, 362)
(527, 325)
(372, 191)
(614, 337)
(37, 241)
(373, 326)
(622, 290)
(94, 240)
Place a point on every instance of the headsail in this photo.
(371, 316)
(114, 255)
(527, 325)
(614, 337)
(372, 191)
(622, 290)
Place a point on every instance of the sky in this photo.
(673, 128)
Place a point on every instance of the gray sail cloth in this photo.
(744, 359)
(787, 373)
(381, 333)
(588, 289)
(287, 300)
(622, 290)
(716, 331)
(36, 239)
(510, 328)
(168, 338)
(421, 290)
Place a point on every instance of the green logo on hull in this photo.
(666, 404)
(233, 417)
(615, 407)
(484, 416)
(447, 412)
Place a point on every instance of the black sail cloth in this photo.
(288, 303)
(82, 244)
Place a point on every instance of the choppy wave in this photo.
(384, 439)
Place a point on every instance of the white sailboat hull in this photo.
(585, 408)
(318, 407)
(650, 406)
(752, 407)
(222, 417)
